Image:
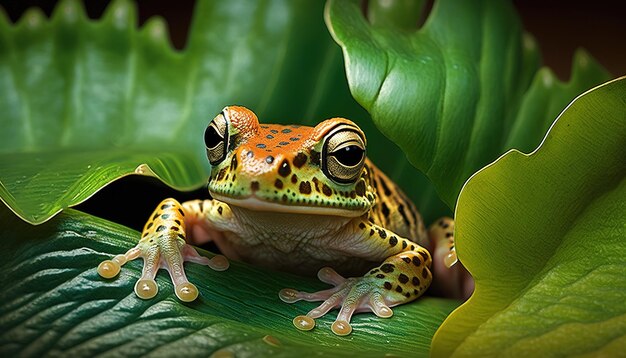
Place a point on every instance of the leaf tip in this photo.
(121, 14)
(32, 19)
(68, 11)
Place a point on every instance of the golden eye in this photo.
(216, 138)
(343, 154)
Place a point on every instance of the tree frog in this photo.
(300, 199)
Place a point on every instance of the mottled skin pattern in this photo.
(297, 199)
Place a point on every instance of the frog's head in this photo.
(292, 169)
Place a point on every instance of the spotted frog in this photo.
(299, 199)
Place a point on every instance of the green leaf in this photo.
(544, 237)
(55, 303)
(458, 92)
(86, 102)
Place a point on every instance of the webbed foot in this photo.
(402, 278)
(163, 246)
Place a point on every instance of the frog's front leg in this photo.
(162, 245)
(401, 278)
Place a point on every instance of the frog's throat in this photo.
(254, 203)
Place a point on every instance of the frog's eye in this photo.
(216, 138)
(343, 154)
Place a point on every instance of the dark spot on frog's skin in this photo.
(285, 198)
(372, 232)
(145, 234)
(415, 292)
(219, 210)
(360, 188)
(415, 281)
(269, 159)
(412, 248)
(175, 228)
(283, 143)
(182, 213)
(315, 157)
(380, 275)
(233, 163)
(403, 214)
(403, 278)
(286, 130)
(316, 182)
(155, 216)
(285, 169)
(406, 259)
(305, 187)
(407, 295)
(250, 154)
(385, 188)
(393, 241)
(278, 184)
(361, 225)
(294, 178)
(382, 233)
(404, 244)
(352, 194)
(269, 136)
(294, 139)
(424, 255)
(160, 228)
(326, 190)
(254, 186)
(260, 145)
(181, 236)
(177, 222)
(385, 210)
(166, 206)
(424, 273)
(387, 285)
(399, 289)
(449, 235)
(274, 131)
(387, 268)
(149, 225)
(165, 216)
(221, 174)
(416, 261)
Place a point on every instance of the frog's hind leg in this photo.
(451, 278)
(441, 235)
(163, 245)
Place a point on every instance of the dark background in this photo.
(559, 27)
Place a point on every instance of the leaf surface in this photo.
(544, 237)
(457, 92)
(55, 303)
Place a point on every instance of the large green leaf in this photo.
(458, 92)
(86, 102)
(55, 303)
(544, 237)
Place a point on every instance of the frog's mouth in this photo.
(256, 203)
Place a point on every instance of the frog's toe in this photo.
(351, 295)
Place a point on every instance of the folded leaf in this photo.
(54, 303)
(544, 237)
(458, 92)
(86, 102)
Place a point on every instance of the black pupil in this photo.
(211, 137)
(349, 156)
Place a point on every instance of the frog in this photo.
(301, 199)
